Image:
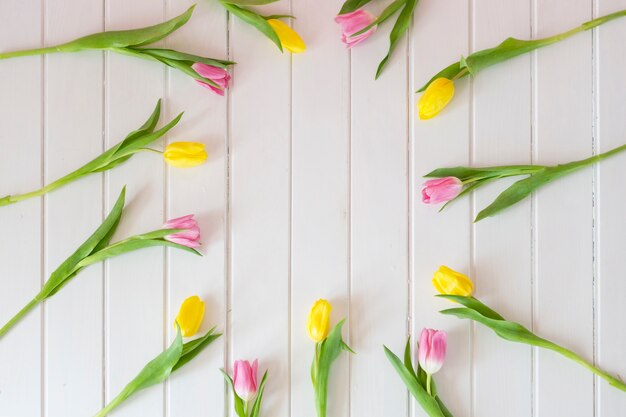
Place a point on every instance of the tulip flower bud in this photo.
(441, 190)
(318, 323)
(431, 351)
(189, 237)
(437, 96)
(185, 154)
(289, 38)
(354, 22)
(218, 75)
(449, 282)
(190, 316)
(245, 379)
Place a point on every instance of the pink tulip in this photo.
(441, 190)
(218, 75)
(189, 237)
(245, 379)
(432, 350)
(352, 23)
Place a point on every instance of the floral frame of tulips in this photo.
(420, 361)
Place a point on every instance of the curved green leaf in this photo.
(350, 6)
(399, 28)
(67, 269)
(193, 348)
(329, 351)
(520, 190)
(386, 14)
(428, 403)
(473, 304)
(124, 38)
(183, 56)
(507, 330)
(256, 407)
(255, 20)
(155, 372)
(511, 48)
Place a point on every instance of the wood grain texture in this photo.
(312, 190)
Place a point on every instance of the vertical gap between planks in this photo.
(290, 225)
(227, 222)
(410, 132)
(472, 209)
(104, 187)
(43, 268)
(166, 204)
(349, 230)
(534, 253)
(594, 199)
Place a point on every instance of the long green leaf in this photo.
(507, 330)
(329, 351)
(155, 372)
(129, 246)
(511, 48)
(428, 403)
(124, 38)
(255, 20)
(193, 348)
(256, 407)
(350, 6)
(520, 190)
(467, 173)
(474, 304)
(182, 56)
(515, 332)
(386, 14)
(66, 270)
(399, 28)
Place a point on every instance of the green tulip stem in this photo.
(121, 397)
(30, 52)
(429, 378)
(27, 308)
(573, 356)
(11, 199)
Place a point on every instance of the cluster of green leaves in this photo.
(510, 48)
(133, 42)
(241, 9)
(240, 405)
(326, 352)
(96, 249)
(160, 368)
(135, 142)
(538, 176)
(514, 332)
(415, 381)
(406, 8)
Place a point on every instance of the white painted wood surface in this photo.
(312, 190)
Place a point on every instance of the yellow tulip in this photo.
(318, 323)
(437, 96)
(289, 39)
(185, 154)
(190, 316)
(449, 282)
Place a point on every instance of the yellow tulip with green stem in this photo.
(439, 90)
(277, 31)
(478, 312)
(178, 154)
(328, 345)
